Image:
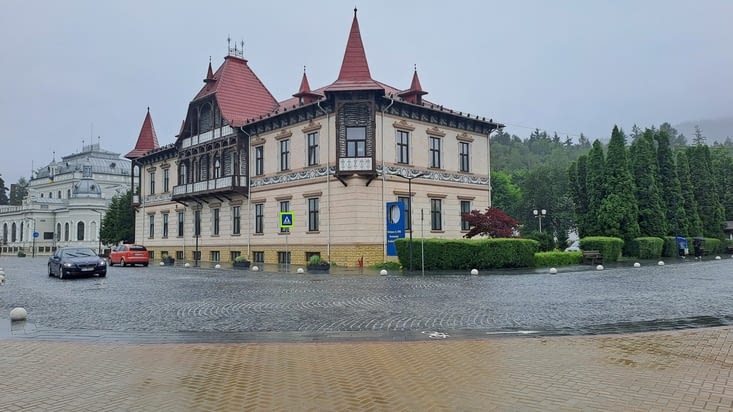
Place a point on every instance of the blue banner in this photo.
(396, 222)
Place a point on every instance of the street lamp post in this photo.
(539, 214)
(409, 203)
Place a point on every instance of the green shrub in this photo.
(241, 258)
(545, 240)
(609, 247)
(387, 265)
(712, 245)
(452, 254)
(553, 259)
(669, 248)
(315, 260)
(647, 247)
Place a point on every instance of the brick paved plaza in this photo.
(200, 339)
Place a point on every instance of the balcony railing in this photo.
(219, 185)
(206, 136)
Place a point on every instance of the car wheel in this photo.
(145, 264)
(122, 262)
(50, 271)
(61, 273)
(103, 274)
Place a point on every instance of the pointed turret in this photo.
(415, 92)
(305, 95)
(209, 74)
(146, 141)
(354, 74)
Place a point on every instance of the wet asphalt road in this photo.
(176, 304)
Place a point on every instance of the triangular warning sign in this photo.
(286, 220)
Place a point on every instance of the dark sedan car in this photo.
(77, 261)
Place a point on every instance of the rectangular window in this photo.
(284, 154)
(151, 226)
(312, 148)
(197, 223)
(259, 160)
(236, 220)
(313, 214)
(180, 224)
(355, 141)
(215, 256)
(166, 180)
(403, 147)
(285, 207)
(465, 208)
(258, 257)
(464, 155)
(215, 221)
(179, 255)
(283, 258)
(234, 254)
(408, 217)
(435, 152)
(152, 183)
(436, 216)
(165, 225)
(260, 218)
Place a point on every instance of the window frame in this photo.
(356, 145)
(464, 157)
(436, 214)
(313, 214)
(434, 153)
(236, 220)
(284, 145)
(259, 218)
(259, 160)
(312, 145)
(402, 140)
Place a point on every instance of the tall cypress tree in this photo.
(3, 193)
(595, 189)
(723, 172)
(708, 204)
(618, 214)
(577, 175)
(652, 217)
(694, 224)
(670, 188)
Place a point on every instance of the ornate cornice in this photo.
(311, 127)
(403, 125)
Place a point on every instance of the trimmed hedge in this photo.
(712, 245)
(610, 247)
(669, 249)
(453, 254)
(647, 247)
(555, 258)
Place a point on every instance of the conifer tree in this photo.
(670, 187)
(594, 189)
(694, 224)
(709, 207)
(619, 213)
(652, 217)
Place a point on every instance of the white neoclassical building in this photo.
(66, 203)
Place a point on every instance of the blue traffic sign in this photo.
(285, 220)
(36, 234)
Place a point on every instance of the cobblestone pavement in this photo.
(162, 338)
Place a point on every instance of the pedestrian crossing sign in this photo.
(285, 220)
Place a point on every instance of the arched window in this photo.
(13, 234)
(93, 233)
(5, 233)
(217, 168)
(66, 231)
(21, 231)
(80, 231)
(68, 196)
(58, 231)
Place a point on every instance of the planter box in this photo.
(319, 268)
(169, 261)
(240, 265)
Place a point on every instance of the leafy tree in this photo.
(618, 212)
(694, 223)
(670, 187)
(3, 196)
(577, 189)
(18, 192)
(546, 187)
(119, 221)
(710, 209)
(652, 218)
(504, 194)
(492, 223)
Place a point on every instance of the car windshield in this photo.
(137, 248)
(77, 253)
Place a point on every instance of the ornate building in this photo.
(333, 156)
(66, 203)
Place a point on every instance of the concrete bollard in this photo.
(383, 272)
(660, 263)
(187, 265)
(637, 265)
(18, 314)
(599, 267)
(553, 271)
(217, 266)
(300, 270)
(255, 268)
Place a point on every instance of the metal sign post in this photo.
(286, 220)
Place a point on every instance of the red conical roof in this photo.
(304, 92)
(354, 74)
(146, 141)
(415, 92)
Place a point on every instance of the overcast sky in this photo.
(79, 70)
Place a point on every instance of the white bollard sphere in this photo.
(255, 268)
(599, 267)
(383, 272)
(637, 265)
(660, 263)
(18, 314)
(553, 271)
(187, 265)
(2, 277)
(217, 266)
(300, 270)
(162, 264)
(717, 258)
(474, 271)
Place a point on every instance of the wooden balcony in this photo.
(220, 186)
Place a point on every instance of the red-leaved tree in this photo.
(492, 223)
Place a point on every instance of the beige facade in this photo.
(333, 157)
